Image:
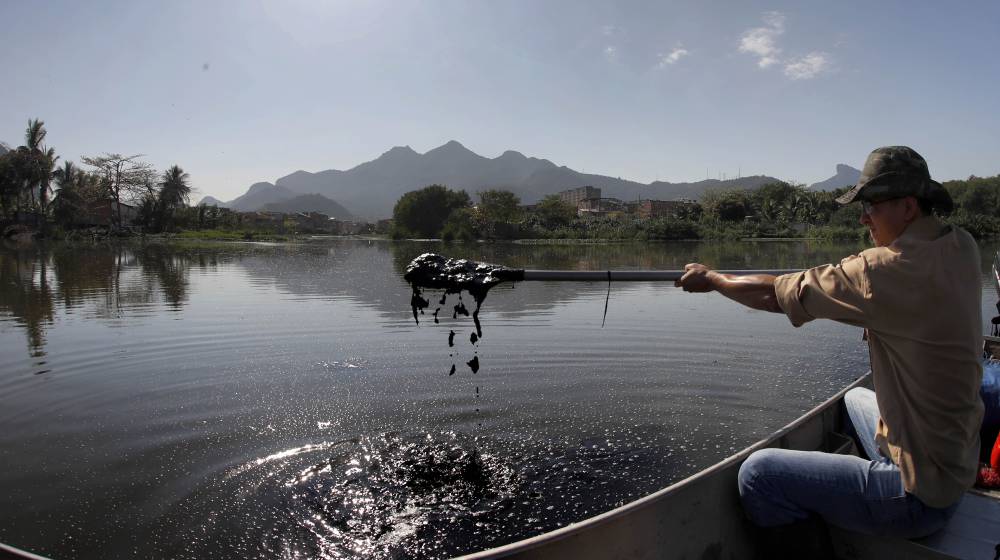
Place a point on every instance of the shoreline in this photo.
(249, 237)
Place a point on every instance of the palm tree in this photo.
(174, 193)
(39, 162)
(66, 176)
(174, 190)
(34, 135)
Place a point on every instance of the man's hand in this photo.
(697, 278)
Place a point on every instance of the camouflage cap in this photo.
(894, 172)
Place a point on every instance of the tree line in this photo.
(774, 210)
(31, 183)
(437, 211)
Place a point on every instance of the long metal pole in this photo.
(628, 275)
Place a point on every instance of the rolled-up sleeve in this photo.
(838, 292)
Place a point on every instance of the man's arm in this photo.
(755, 290)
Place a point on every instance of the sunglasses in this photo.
(868, 206)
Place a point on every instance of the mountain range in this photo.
(371, 189)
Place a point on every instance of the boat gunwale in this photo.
(7, 551)
(602, 518)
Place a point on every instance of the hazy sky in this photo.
(238, 92)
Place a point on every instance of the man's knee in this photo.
(859, 397)
(754, 470)
(759, 478)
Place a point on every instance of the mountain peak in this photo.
(846, 175)
(450, 147)
(212, 201)
(511, 154)
(257, 187)
(399, 152)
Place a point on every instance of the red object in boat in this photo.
(995, 455)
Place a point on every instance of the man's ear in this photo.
(911, 209)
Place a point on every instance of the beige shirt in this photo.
(920, 299)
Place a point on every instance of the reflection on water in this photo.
(114, 279)
(105, 279)
(260, 400)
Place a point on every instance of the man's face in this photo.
(887, 219)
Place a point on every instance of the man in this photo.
(917, 294)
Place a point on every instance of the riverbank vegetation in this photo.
(115, 194)
(772, 211)
(110, 190)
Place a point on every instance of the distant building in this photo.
(647, 209)
(597, 207)
(574, 197)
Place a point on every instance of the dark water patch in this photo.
(409, 496)
(387, 496)
(473, 364)
(460, 309)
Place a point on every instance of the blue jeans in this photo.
(781, 486)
